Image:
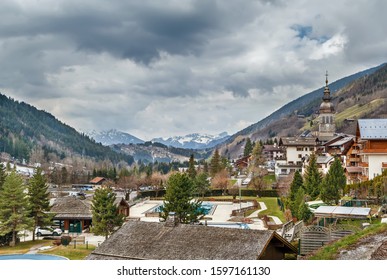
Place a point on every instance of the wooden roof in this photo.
(71, 207)
(145, 240)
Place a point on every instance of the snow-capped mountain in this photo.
(114, 136)
(194, 140)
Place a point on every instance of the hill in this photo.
(24, 130)
(113, 136)
(149, 152)
(360, 95)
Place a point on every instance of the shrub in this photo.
(65, 240)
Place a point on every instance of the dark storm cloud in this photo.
(151, 66)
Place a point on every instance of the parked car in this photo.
(48, 231)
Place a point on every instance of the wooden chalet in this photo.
(137, 240)
(75, 215)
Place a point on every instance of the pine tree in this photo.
(191, 167)
(215, 164)
(202, 185)
(297, 202)
(248, 147)
(312, 178)
(256, 154)
(105, 212)
(304, 212)
(178, 199)
(39, 203)
(3, 175)
(295, 185)
(333, 182)
(14, 215)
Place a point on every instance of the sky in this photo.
(173, 67)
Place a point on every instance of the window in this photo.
(300, 149)
(311, 149)
(299, 155)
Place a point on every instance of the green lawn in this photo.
(273, 208)
(23, 247)
(79, 253)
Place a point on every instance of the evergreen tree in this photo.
(202, 184)
(295, 185)
(105, 212)
(3, 175)
(178, 199)
(257, 156)
(39, 203)
(14, 215)
(191, 167)
(312, 178)
(215, 164)
(304, 212)
(333, 182)
(297, 202)
(248, 147)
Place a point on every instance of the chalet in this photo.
(98, 181)
(297, 150)
(242, 163)
(75, 215)
(72, 214)
(371, 135)
(272, 152)
(137, 240)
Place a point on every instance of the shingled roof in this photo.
(145, 240)
(70, 207)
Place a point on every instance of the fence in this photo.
(314, 237)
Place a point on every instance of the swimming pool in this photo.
(207, 207)
(35, 257)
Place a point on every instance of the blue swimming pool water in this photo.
(207, 208)
(31, 257)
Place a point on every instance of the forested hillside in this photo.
(23, 128)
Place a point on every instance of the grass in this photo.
(357, 110)
(330, 252)
(78, 253)
(273, 208)
(269, 179)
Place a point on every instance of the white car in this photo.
(48, 231)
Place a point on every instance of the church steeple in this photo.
(327, 123)
(327, 92)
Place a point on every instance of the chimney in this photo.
(171, 220)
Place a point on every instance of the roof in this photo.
(372, 128)
(146, 240)
(298, 141)
(71, 207)
(324, 159)
(342, 141)
(342, 212)
(97, 180)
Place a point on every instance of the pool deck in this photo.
(221, 214)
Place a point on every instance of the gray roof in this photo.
(299, 141)
(146, 240)
(372, 128)
(324, 159)
(71, 207)
(342, 141)
(342, 212)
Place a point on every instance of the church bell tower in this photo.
(327, 126)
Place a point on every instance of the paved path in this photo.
(254, 215)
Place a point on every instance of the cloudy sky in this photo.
(172, 67)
